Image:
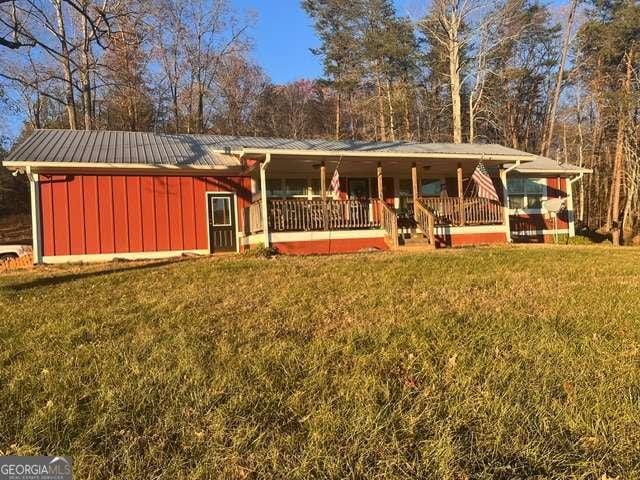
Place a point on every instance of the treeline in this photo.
(561, 81)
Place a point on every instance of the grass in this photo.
(477, 363)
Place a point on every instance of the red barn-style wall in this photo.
(106, 214)
(529, 227)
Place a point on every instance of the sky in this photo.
(283, 36)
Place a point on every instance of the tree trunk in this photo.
(454, 73)
(580, 156)
(392, 127)
(65, 62)
(546, 144)
(407, 118)
(337, 116)
(472, 133)
(85, 76)
(618, 166)
(381, 117)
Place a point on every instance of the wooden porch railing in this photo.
(426, 220)
(474, 211)
(482, 211)
(314, 215)
(388, 221)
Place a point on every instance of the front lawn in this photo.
(478, 363)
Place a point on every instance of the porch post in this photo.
(505, 204)
(461, 195)
(570, 215)
(263, 198)
(34, 183)
(323, 181)
(379, 177)
(323, 194)
(414, 182)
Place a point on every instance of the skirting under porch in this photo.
(355, 241)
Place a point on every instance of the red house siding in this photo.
(108, 214)
(530, 226)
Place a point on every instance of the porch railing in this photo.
(388, 221)
(314, 215)
(472, 211)
(426, 220)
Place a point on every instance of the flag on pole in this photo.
(335, 185)
(486, 189)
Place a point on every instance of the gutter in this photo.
(263, 196)
(512, 167)
(15, 165)
(576, 178)
(505, 199)
(386, 154)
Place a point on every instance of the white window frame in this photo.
(515, 211)
(226, 200)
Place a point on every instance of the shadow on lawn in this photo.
(70, 277)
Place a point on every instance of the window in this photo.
(430, 188)
(358, 187)
(405, 188)
(221, 209)
(274, 187)
(296, 187)
(526, 193)
(314, 184)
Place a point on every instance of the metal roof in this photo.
(544, 164)
(136, 148)
(181, 150)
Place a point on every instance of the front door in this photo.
(222, 222)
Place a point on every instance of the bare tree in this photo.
(548, 137)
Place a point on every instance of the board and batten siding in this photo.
(536, 223)
(105, 214)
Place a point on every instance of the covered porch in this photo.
(408, 196)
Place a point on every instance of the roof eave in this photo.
(384, 154)
(566, 171)
(15, 165)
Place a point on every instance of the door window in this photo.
(221, 211)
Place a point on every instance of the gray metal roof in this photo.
(138, 148)
(544, 164)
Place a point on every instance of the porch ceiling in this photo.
(283, 165)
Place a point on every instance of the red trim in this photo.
(324, 247)
(466, 239)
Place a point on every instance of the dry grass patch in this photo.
(478, 363)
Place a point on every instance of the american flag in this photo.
(335, 185)
(484, 182)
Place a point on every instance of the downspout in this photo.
(570, 211)
(35, 215)
(505, 199)
(263, 198)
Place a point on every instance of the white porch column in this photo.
(570, 212)
(36, 233)
(505, 204)
(263, 198)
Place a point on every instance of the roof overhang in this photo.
(565, 172)
(17, 165)
(382, 154)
